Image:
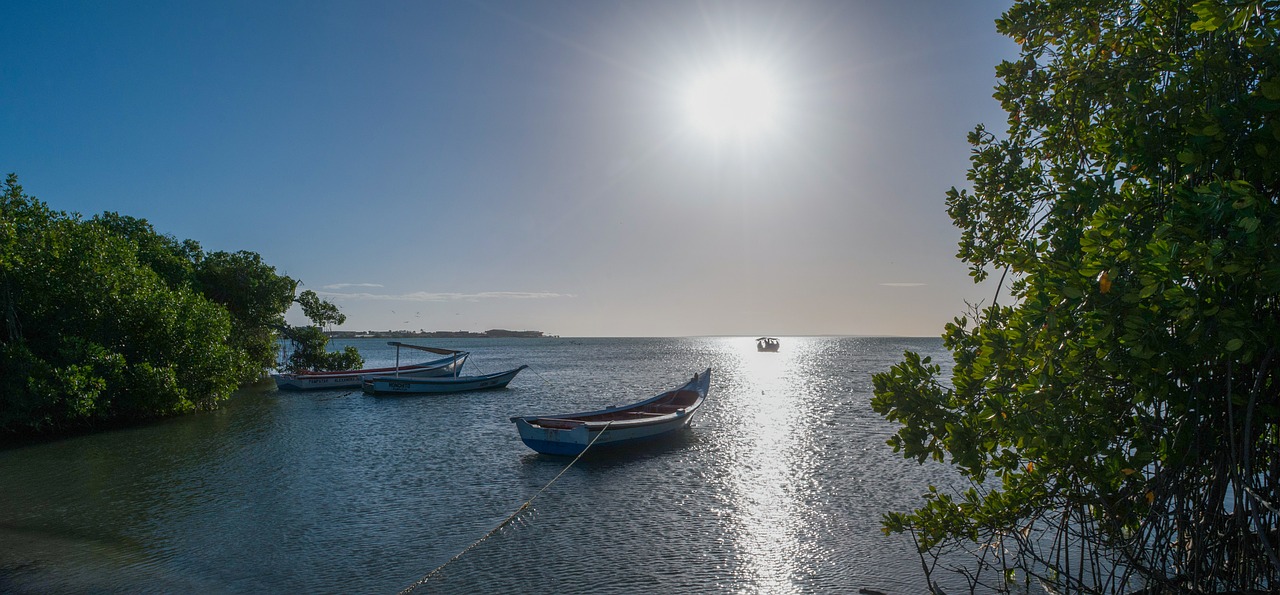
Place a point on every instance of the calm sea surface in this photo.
(778, 487)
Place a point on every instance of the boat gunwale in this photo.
(444, 380)
(372, 371)
(598, 425)
(699, 386)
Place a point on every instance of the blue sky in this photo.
(525, 165)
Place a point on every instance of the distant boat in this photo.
(767, 344)
(571, 433)
(445, 366)
(400, 385)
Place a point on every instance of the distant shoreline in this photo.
(489, 334)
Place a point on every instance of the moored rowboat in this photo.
(445, 366)
(400, 385)
(657, 417)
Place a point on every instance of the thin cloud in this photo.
(904, 284)
(424, 296)
(347, 285)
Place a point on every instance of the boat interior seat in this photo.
(682, 399)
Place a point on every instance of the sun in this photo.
(738, 100)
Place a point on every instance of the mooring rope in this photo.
(348, 393)
(541, 377)
(506, 521)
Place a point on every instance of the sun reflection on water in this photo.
(767, 449)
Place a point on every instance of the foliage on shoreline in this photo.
(105, 320)
(1119, 422)
(309, 351)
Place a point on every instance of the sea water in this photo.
(779, 486)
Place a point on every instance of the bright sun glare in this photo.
(737, 101)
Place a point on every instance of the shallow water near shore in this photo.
(777, 488)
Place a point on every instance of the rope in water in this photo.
(506, 521)
(541, 377)
(348, 393)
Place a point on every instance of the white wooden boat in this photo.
(450, 365)
(401, 385)
(657, 417)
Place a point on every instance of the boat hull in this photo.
(616, 427)
(449, 366)
(571, 442)
(392, 385)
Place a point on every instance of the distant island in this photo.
(489, 334)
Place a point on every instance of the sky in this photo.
(577, 168)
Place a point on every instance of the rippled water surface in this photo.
(778, 487)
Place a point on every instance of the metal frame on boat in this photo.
(399, 385)
(450, 365)
(657, 417)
